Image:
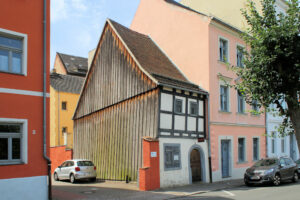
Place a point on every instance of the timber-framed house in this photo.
(134, 94)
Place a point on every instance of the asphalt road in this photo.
(64, 190)
(286, 191)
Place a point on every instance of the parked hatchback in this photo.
(75, 170)
(271, 170)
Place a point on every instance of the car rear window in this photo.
(266, 162)
(84, 163)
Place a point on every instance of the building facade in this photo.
(64, 94)
(133, 91)
(202, 47)
(24, 99)
(229, 11)
(278, 145)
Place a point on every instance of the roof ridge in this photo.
(71, 55)
(144, 35)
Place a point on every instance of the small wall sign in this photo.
(153, 154)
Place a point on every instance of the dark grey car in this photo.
(271, 170)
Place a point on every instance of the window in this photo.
(273, 142)
(239, 56)
(241, 102)
(178, 106)
(64, 129)
(255, 149)
(282, 144)
(255, 106)
(193, 108)
(10, 142)
(172, 156)
(64, 105)
(224, 98)
(241, 150)
(13, 53)
(223, 50)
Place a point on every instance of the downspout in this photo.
(45, 99)
(208, 138)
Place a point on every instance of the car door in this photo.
(283, 169)
(61, 171)
(69, 168)
(290, 167)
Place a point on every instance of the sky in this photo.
(76, 25)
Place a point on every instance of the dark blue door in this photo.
(225, 157)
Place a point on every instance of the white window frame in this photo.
(24, 37)
(219, 43)
(236, 53)
(23, 143)
(245, 149)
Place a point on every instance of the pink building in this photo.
(200, 46)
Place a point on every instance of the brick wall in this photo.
(149, 175)
(58, 155)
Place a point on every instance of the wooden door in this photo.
(196, 165)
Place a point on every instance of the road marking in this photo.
(229, 193)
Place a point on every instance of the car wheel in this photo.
(93, 179)
(72, 178)
(295, 177)
(56, 176)
(247, 183)
(276, 180)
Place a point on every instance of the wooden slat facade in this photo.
(112, 138)
(118, 106)
(114, 77)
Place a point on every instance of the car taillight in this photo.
(94, 167)
(77, 169)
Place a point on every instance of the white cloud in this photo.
(58, 10)
(79, 5)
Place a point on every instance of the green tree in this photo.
(271, 72)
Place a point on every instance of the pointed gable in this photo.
(126, 64)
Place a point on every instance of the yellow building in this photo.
(228, 11)
(65, 86)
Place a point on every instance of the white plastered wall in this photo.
(33, 188)
(182, 176)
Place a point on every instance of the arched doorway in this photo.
(195, 163)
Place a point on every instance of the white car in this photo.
(74, 170)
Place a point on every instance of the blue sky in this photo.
(76, 25)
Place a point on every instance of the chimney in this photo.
(91, 57)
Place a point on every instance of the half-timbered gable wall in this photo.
(114, 76)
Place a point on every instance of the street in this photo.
(120, 190)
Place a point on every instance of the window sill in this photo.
(223, 62)
(225, 112)
(241, 113)
(13, 73)
(242, 162)
(11, 163)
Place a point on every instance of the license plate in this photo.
(254, 177)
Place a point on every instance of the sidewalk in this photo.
(199, 188)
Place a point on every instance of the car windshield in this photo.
(84, 163)
(266, 162)
(298, 161)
